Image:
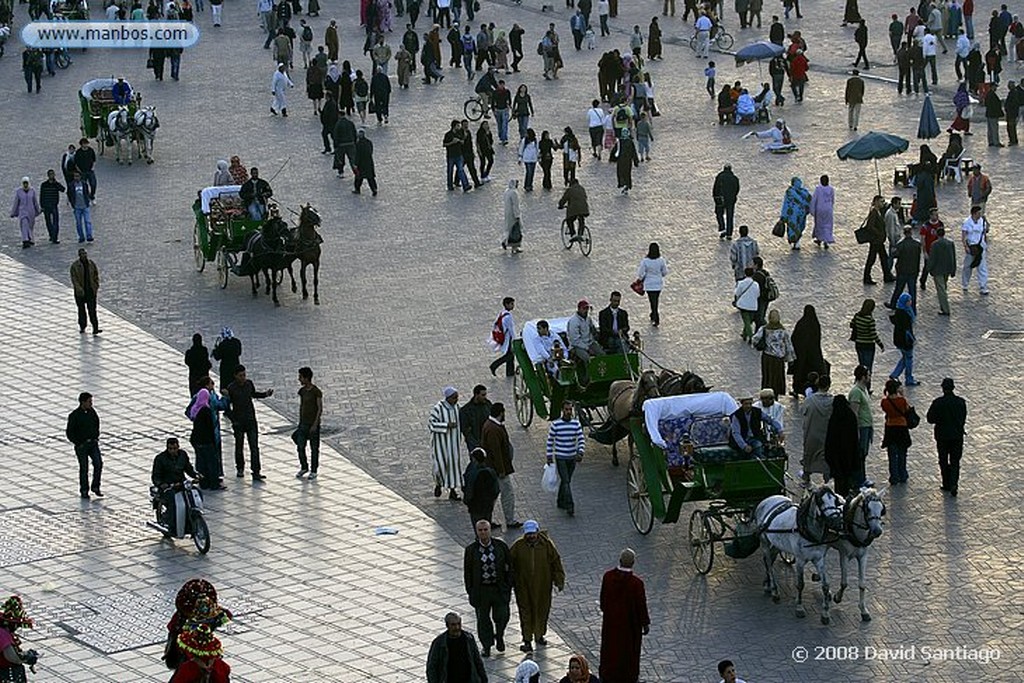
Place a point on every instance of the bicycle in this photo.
(475, 108)
(721, 41)
(581, 237)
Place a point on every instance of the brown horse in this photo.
(305, 247)
(625, 400)
(672, 383)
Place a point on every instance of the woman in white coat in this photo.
(513, 218)
(744, 297)
(278, 86)
(651, 274)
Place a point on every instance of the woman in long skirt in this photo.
(794, 211)
(513, 236)
(822, 209)
(776, 352)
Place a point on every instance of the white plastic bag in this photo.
(549, 480)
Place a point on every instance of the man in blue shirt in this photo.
(122, 92)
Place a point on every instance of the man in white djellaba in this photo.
(444, 437)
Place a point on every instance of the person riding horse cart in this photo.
(112, 113)
(226, 234)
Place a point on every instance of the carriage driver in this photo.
(169, 470)
(121, 92)
(255, 193)
(582, 341)
(746, 428)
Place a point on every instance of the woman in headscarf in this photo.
(315, 85)
(776, 350)
(795, 206)
(346, 101)
(627, 159)
(239, 174)
(222, 175)
(962, 101)
(513, 218)
(822, 209)
(501, 50)
(332, 82)
(807, 347)
(842, 445)
(579, 671)
(903, 338)
(12, 658)
(205, 438)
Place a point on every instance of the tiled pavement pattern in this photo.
(317, 595)
(412, 280)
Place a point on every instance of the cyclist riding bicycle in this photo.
(574, 201)
(487, 84)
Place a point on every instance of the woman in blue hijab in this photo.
(903, 338)
(795, 206)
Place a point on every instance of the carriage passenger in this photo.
(746, 428)
(583, 344)
(552, 347)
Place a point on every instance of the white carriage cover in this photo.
(715, 403)
(215, 191)
(531, 340)
(98, 84)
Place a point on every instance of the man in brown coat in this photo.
(854, 98)
(85, 278)
(331, 41)
(494, 439)
(537, 568)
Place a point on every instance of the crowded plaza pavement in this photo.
(410, 284)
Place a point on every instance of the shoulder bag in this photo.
(911, 416)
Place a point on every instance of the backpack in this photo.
(771, 289)
(540, 48)
(307, 34)
(498, 332)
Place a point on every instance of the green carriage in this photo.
(222, 228)
(96, 101)
(542, 384)
(683, 456)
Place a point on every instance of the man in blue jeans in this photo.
(501, 103)
(860, 404)
(311, 407)
(83, 430)
(565, 449)
(241, 392)
(453, 152)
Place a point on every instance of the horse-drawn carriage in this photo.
(542, 384)
(223, 225)
(683, 456)
(96, 100)
(72, 10)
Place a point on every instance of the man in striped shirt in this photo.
(565, 449)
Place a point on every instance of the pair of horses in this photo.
(139, 128)
(806, 532)
(272, 250)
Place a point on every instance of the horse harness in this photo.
(802, 515)
(850, 523)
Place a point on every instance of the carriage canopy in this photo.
(693, 406)
(210, 193)
(98, 84)
(531, 340)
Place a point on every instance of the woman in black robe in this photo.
(842, 445)
(806, 340)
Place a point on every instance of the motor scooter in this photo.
(188, 518)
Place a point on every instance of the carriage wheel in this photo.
(584, 241)
(639, 497)
(222, 268)
(702, 544)
(197, 251)
(521, 397)
(566, 236)
(473, 109)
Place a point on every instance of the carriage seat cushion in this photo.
(709, 432)
(226, 206)
(718, 454)
(105, 96)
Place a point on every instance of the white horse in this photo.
(146, 124)
(862, 524)
(804, 533)
(119, 125)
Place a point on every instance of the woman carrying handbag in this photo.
(651, 277)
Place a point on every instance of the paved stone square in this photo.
(410, 284)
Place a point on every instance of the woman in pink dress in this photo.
(383, 16)
(822, 209)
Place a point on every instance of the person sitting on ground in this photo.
(746, 428)
(745, 107)
(780, 136)
(582, 341)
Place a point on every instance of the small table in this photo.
(901, 176)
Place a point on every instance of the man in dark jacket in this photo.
(860, 35)
(725, 191)
(917, 66)
(993, 112)
(51, 190)
(949, 415)
(85, 280)
(255, 193)
(487, 572)
(241, 392)
(875, 227)
(574, 201)
(941, 265)
(468, 155)
(494, 439)
(1012, 105)
(776, 32)
(169, 469)
(83, 430)
(908, 267)
(85, 159)
(328, 119)
(613, 325)
(473, 415)
(903, 69)
(411, 41)
(197, 358)
(854, 97)
(364, 168)
(228, 350)
(746, 429)
(454, 657)
(480, 487)
(380, 91)
(344, 143)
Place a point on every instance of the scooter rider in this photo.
(169, 470)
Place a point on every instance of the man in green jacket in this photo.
(941, 265)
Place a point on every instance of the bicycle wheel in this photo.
(584, 240)
(473, 109)
(724, 41)
(566, 235)
(693, 43)
(63, 59)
